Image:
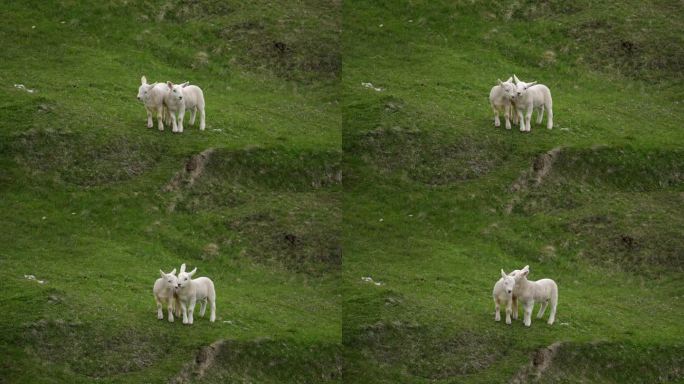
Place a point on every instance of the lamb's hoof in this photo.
(170, 319)
(160, 317)
(508, 322)
(549, 322)
(495, 319)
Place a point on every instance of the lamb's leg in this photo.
(181, 117)
(174, 125)
(160, 119)
(160, 313)
(193, 301)
(527, 308)
(542, 308)
(554, 304)
(202, 123)
(150, 123)
(170, 308)
(497, 315)
(515, 308)
(212, 318)
(184, 309)
(203, 307)
(521, 119)
(507, 116)
(528, 120)
(193, 112)
(509, 309)
(540, 115)
(549, 116)
(497, 122)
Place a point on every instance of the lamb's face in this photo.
(175, 91)
(143, 91)
(509, 90)
(171, 281)
(521, 89)
(183, 280)
(509, 283)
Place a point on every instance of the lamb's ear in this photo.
(173, 272)
(515, 79)
(503, 274)
(185, 84)
(499, 81)
(182, 268)
(192, 272)
(143, 80)
(509, 80)
(530, 84)
(163, 275)
(170, 84)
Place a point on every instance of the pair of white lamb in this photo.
(517, 99)
(515, 287)
(180, 294)
(165, 100)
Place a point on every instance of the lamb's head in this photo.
(508, 87)
(508, 282)
(184, 278)
(521, 88)
(176, 90)
(521, 274)
(170, 278)
(144, 88)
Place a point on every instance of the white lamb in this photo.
(165, 293)
(182, 97)
(527, 292)
(152, 96)
(503, 295)
(530, 96)
(500, 100)
(190, 291)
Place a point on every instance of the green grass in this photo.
(423, 207)
(428, 178)
(84, 206)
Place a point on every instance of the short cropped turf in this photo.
(436, 200)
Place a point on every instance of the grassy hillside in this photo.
(436, 199)
(87, 207)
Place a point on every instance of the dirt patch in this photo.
(263, 361)
(305, 238)
(84, 160)
(420, 353)
(540, 362)
(91, 351)
(533, 177)
(216, 179)
(288, 52)
(603, 362)
(191, 172)
(646, 238)
(431, 158)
